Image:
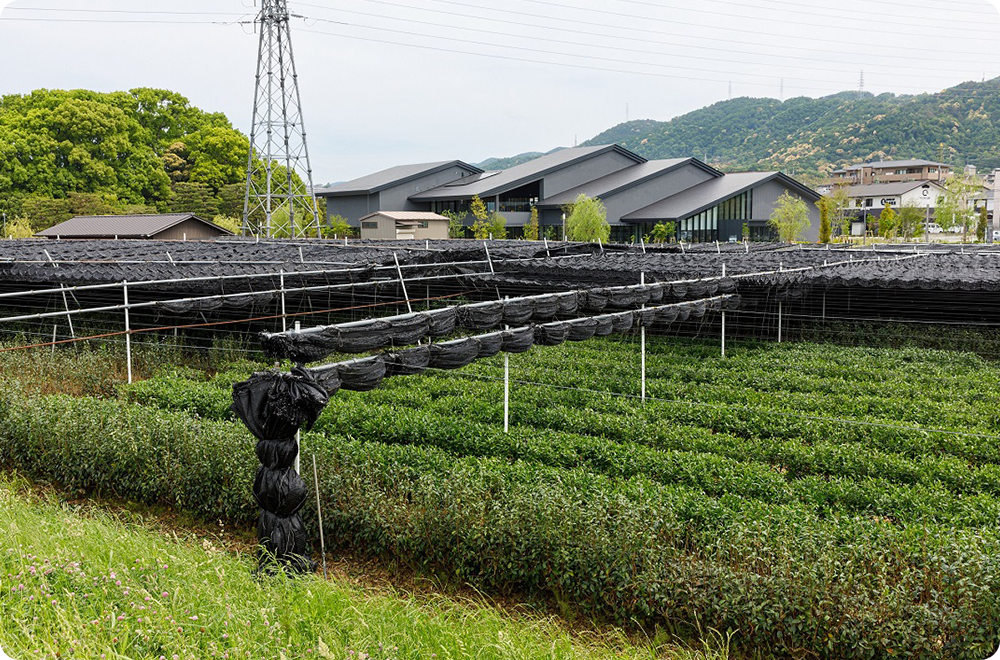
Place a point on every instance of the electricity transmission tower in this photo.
(277, 202)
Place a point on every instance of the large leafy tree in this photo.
(587, 220)
(124, 148)
(790, 217)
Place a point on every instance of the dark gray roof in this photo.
(393, 176)
(616, 182)
(880, 189)
(706, 195)
(914, 162)
(519, 175)
(122, 226)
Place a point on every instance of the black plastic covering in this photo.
(407, 363)
(551, 334)
(454, 354)
(519, 340)
(280, 491)
(481, 316)
(490, 345)
(362, 375)
(275, 405)
(605, 325)
(277, 454)
(581, 329)
(622, 322)
(516, 312)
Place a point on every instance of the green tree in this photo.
(478, 208)
(840, 215)
(954, 209)
(17, 228)
(910, 221)
(982, 225)
(661, 232)
(232, 223)
(587, 220)
(824, 219)
(531, 229)
(456, 223)
(337, 227)
(191, 197)
(790, 217)
(887, 222)
(551, 233)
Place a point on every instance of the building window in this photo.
(369, 225)
(423, 224)
(869, 202)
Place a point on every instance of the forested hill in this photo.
(812, 136)
(65, 153)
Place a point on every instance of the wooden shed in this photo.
(167, 226)
(404, 225)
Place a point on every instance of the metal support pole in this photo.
(642, 346)
(546, 241)
(402, 283)
(779, 322)
(718, 250)
(723, 317)
(128, 333)
(281, 283)
(488, 259)
(54, 329)
(298, 434)
(319, 513)
(69, 317)
(506, 386)
(824, 305)
(600, 245)
(642, 244)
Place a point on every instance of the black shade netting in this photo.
(697, 309)
(679, 290)
(407, 363)
(550, 334)
(621, 297)
(490, 345)
(594, 300)
(277, 454)
(369, 336)
(279, 491)
(518, 311)
(362, 375)
(519, 340)
(605, 325)
(580, 329)
(683, 313)
(328, 379)
(481, 316)
(645, 318)
(622, 322)
(282, 536)
(454, 354)
(408, 329)
(642, 294)
(656, 292)
(275, 405)
(569, 302)
(546, 307)
(727, 285)
(666, 315)
(442, 321)
(733, 302)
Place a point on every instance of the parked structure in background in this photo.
(890, 171)
(704, 203)
(167, 227)
(404, 224)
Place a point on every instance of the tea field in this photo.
(815, 500)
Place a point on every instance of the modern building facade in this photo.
(702, 202)
(890, 171)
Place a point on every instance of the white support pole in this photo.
(298, 434)
(488, 259)
(642, 244)
(506, 386)
(128, 333)
(281, 284)
(54, 328)
(779, 322)
(683, 251)
(402, 283)
(723, 317)
(642, 346)
(746, 244)
(824, 305)
(600, 245)
(319, 513)
(718, 250)
(546, 241)
(69, 317)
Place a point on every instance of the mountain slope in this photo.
(810, 137)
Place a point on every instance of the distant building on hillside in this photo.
(872, 198)
(703, 203)
(890, 171)
(168, 226)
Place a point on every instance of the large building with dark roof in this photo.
(704, 203)
(165, 226)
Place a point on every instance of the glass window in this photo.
(369, 225)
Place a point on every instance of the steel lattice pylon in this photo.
(276, 204)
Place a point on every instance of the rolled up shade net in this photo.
(569, 302)
(645, 318)
(621, 297)
(490, 345)
(362, 375)
(580, 329)
(622, 322)
(679, 290)
(605, 325)
(519, 340)
(546, 307)
(683, 313)
(481, 316)
(516, 312)
(407, 362)
(275, 405)
(595, 300)
(279, 490)
(454, 354)
(666, 315)
(551, 334)
(277, 454)
(657, 292)
(442, 321)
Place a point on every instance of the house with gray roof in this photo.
(890, 171)
(166, 226)
(704, 203)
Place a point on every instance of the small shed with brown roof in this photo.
(404, 224)
(167, 226)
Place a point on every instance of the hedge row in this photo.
(631, 550)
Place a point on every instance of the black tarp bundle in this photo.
(274, 406)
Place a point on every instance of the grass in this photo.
(84, 584)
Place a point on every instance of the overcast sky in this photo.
(386, 82)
